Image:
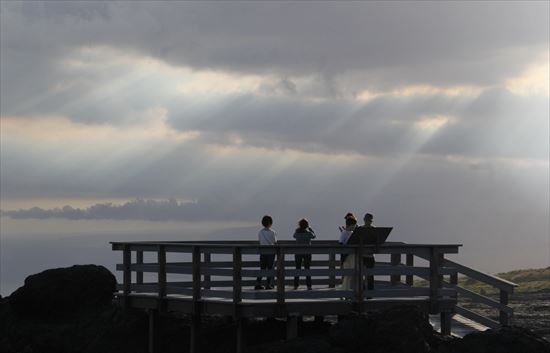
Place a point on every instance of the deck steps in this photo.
(460, 326)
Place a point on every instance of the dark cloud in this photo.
(139, 209)
(380, 44)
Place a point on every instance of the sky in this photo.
(187, 120)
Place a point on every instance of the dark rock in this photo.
(64, 291)
(508, 339)
(401, 329)
(310, 344)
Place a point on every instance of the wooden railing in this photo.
(227, 270)
(504, 287)
(218, 277)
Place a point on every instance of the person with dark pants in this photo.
(266, 263)
(266, 236)
(303, 236)
(368, 261)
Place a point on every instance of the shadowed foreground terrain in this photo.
(71, 310)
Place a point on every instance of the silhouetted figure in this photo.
(266, 236)
(303, 236)
(348, 281)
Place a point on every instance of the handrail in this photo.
(222, 272)
(505, 287)
(483, 277)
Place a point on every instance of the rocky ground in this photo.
(531, 309)
(70, 310)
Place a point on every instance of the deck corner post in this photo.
(127, 274)
(436, 261)
(504, 318)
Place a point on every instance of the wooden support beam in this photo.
(139, 261)
(241, 335)
(395, 261)
(504, 318)
(409, 262)
(436, 260)
(153, 342)
(319, 319)
(292, 326)
(195, 332)
(445, 321)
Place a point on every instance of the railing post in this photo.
(332, 267)
(127, 274)
(395, 261)
(281, 281)
(504, 318)
(206, 278)
(436, 260)
(237, 289)
(194, 342)
(139, 261)
(410, 263)
(161, 271)
(359, 277)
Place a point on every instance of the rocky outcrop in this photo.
(64, 291)
(508, 339)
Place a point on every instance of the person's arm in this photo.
(274, 237)
(342, 237)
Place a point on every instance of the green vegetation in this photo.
(530, 280)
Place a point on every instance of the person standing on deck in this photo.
(303, 236)
(266, 236)
(368, 260)
(348, 281)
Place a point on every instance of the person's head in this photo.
(348, 215)
(303, 224)
(267, 221)
(368, 219)
(351, 222)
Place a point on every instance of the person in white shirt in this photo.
(266, 236)
(348, 281)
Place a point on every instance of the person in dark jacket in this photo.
(303, 236)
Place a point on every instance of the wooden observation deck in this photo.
(218, 278)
